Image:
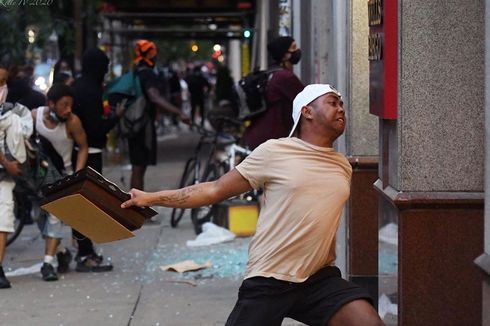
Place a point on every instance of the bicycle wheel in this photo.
(186, 180)
(19, 213)
(203, 214)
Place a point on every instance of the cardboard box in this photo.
(91, 204)
(238, 216)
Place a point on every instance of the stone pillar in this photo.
(431, 159)
(362, 149)
(483, 261)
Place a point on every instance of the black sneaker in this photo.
(48, 273)
(4, 282)
(64, 259)
(92, 263)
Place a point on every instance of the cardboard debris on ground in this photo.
(182, 282)
(185, 266)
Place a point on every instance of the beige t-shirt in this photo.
(305, 189)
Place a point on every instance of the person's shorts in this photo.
(267, 301)
(50, 225)
(7, 217)
(139, 153)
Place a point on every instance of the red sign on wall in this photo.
(383, 58)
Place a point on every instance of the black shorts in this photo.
(141, 154)
(267, 301)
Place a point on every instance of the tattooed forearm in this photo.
(181, 197)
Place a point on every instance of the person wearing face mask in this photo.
(63, 73)
(21, 88)
(282, 88)
(59, 130)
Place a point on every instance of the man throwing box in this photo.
(290, 271)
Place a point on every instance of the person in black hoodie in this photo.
(88, 106)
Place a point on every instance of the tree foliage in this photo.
(54, 16)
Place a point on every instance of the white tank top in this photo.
(58, 137)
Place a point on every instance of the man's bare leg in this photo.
(3, 245)
(4, 282)
(51, 245)
(356, 313)
(47, 270)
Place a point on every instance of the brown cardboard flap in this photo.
(88, 219)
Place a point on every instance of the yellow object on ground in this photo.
(240, 217)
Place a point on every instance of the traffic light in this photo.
(247, 33)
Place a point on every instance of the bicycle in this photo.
(196, 171)
(222, 162)
(191, 174)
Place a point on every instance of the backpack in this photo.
(126, 90)
(251, 92)
(38, 169)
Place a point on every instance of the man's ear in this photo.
(306, 111)
(51, 104)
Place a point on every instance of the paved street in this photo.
(137, 292)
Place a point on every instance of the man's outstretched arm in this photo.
(162, 104)
(229, 185)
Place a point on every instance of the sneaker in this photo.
(48, 272)
(92, 263)
(64, 259)
(4, 282)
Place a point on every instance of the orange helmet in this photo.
(145, 50)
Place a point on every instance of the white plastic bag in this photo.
(211, 234)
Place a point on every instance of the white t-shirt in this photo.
(305, 189)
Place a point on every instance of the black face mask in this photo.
(295, 56)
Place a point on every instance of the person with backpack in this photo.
(88, 106)
(283, 85)
(14, 129)
(142, 145)
(291, 268)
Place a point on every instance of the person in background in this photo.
(63, 72)
(14, 129)
(24, 94)
(88, 106)
(175, 92)
(59, 129)
(281, 89)
(22, 89)
(198, 88)
(142, 152)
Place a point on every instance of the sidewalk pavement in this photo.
(137, 292)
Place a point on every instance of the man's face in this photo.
(62, 107)
(329, 110)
